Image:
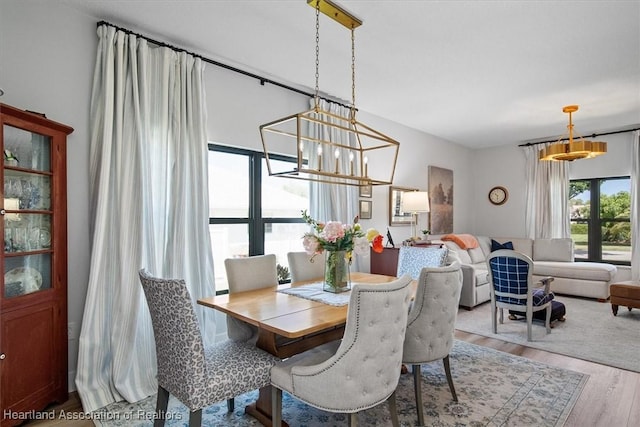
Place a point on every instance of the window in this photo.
(250, 212)
(600, 210)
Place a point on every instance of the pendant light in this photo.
(572, 149)
(316, 137)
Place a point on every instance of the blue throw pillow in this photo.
(496, 245)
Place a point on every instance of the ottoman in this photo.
(626, 294)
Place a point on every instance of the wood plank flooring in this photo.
(611, 396)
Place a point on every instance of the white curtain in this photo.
(547, 196)
(635, 205)
(149, 208)
(331, 202)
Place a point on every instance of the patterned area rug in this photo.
(494, 389)
(591, 332)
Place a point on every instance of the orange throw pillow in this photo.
(465, 241)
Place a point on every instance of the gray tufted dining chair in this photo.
(431, 324)
(304, 268)
(364, 366)
(247, 274)
(196, 375)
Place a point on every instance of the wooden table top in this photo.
(283, 314)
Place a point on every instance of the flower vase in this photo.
(336, 272)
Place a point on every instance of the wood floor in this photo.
(611, 396)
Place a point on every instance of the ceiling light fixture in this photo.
(572, 149)
(365, 157)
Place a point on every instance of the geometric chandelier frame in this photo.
(328, 147)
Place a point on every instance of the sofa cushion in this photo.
(553, 250)
(481, 274)
(497, 246)
(575, 270)
(523, 245)
(462, 253)
(476, 255)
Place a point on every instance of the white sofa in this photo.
(551, 257)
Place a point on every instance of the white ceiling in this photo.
(479, 73)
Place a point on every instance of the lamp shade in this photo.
(415, 201)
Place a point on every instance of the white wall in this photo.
(503, 166)
(47, 55)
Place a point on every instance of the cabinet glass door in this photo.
(27, 222)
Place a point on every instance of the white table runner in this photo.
(314, 292)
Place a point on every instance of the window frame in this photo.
(256, 224)
(595, 222)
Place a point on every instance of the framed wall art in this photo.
(365, 191)
(441, 200)
(365, 209)
(396, 215)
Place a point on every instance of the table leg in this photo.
(261, 409)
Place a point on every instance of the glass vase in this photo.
(336, 272)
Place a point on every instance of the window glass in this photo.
(228, 185)
(283, 197)
(600, 219)
(615, 211)
(252, 213)
(579, 208)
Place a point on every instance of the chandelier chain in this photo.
(317, 88)
(353, 69)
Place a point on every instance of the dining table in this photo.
(287, 324)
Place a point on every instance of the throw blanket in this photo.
(465, 241)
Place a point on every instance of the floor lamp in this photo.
(415, 202)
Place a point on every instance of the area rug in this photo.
(494, 389)
(591, 332)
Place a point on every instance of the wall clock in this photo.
(498, 195)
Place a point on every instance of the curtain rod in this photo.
(528, 144)
(262, 79)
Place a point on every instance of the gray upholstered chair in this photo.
(364, 366)
(303, 268)
(246, 274)
(513, 288)
(197, 376)
(431, 324)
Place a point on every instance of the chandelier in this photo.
(572, 149)
(328, 147)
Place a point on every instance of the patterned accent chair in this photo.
(431, 325)
(303, 269)
(364, 367)
(197, 376)
(412, 259)
(246, 274)
(513, 288)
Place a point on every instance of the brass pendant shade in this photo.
(572, 149)
(328, 147)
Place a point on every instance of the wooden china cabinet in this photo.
(33, 296)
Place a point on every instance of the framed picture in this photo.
(441, 200)
(365, 191)
(396, 215)
(365, 209)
